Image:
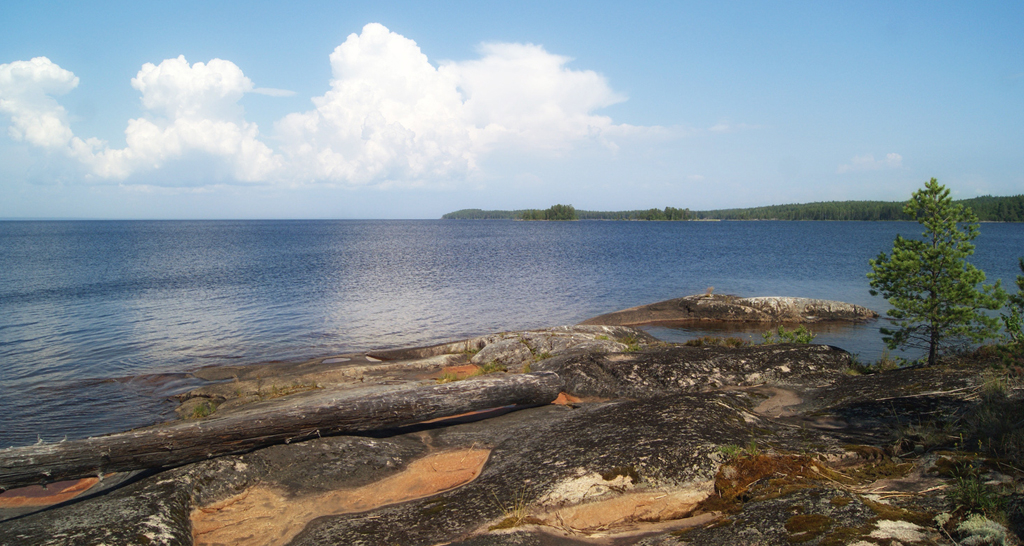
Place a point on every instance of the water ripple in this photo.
(101, 321)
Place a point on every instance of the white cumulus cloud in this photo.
(27, 89)
(194, 110)
(392, 115)
(523, 93)
(868, 162)
(178, 90)
(389, 117)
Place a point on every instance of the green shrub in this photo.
(781, 335)
(1014, 323)
(887, 362)
(996, 423)
(1012, 350)
(970, 495)
(731, 451)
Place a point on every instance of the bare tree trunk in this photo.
(321, 414)
(933, 347)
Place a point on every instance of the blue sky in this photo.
(413, 109)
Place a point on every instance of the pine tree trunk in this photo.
(933, 347)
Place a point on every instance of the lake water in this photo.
(100, 321)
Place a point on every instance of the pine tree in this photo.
(1014, 319)
(932, 288)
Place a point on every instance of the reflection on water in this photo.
(84, 303)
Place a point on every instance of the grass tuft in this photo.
(631, 342)
(515, 512)
(205, 409)
(712, 341)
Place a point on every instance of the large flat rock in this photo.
(659, 444)
(708, 307)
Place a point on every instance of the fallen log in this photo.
(322, 414)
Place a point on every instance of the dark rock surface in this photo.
(305, 416)
(694, 369)
(668, 443)
(156, 510)
(659, 444)
(816, 515)
(235, 387)
(708, 307)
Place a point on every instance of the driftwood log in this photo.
(282, 422)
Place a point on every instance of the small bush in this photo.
(970, 495)
(781, 335)
(887, 362)
(857, 367)
(994, 390)
(996, 423)
(1014, 325)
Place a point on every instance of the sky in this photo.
(274, 110)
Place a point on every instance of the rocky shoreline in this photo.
(725, 308)
(640, 442)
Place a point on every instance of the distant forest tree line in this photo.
(557, 212)
(987, 208)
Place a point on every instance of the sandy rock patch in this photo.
(620, 513)
(268, 516)
(458, 372)
(54, 493)
(778, 404)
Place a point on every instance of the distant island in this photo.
(987, 207)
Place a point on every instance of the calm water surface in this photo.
(100, 321)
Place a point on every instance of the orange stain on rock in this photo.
(460, 372)
(267, 516)
(37, 495)
(566, 398)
